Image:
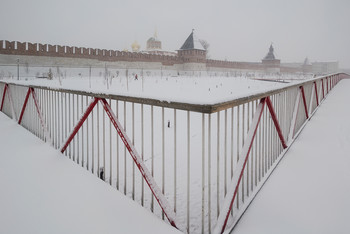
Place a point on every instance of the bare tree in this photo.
(206, 46)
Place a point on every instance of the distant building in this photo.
(318, 68)
(270, 63)
(135, 47)
(321, 68)
(153, 44)
(307, 66)
(192, 50)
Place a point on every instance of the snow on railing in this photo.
(203, 164)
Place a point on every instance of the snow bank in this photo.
(309, 191)
(44, 192)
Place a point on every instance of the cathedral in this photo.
(153, 44)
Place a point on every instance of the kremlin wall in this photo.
(190, 57)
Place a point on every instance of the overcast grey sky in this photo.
(239, 30)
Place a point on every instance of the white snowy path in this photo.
(309, 192)
(41, 191)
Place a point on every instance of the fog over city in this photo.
(236, 30)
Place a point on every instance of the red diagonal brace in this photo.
(24, 105)
(3, 97)
(170, 214)
(316, 93)
(41, 116)
(80, 123)
(275, 121)
(238, 174)
(322, 89)
(304, 101)
(162, 201)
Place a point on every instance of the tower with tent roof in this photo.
(307, 66)
(270, 63)
(192, 50)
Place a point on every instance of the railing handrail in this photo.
(202, 108)
(239, 148)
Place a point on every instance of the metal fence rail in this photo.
(196, 166)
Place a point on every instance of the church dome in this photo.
(135, 46)
(153, 43)
(151, 39)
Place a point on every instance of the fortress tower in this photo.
(270, 63)
(192, 50)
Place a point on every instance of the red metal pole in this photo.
(24, 105)
(316, 93)
(3, 97)
(295, 116)
(225, 212)
(80, 123)
(304, 101)
(162, 201)
(275, 121)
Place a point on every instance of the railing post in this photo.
(327, 84)
(80, 123)
(322, 89)
(156, 191)
(316, 93)
(275, 121)
(304, 101)
(7, 91)
(237, 176)
(24, 105)
(41, 117)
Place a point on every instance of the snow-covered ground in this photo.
(45, 192)
(196, 90)
(188, 89)
(309, 191)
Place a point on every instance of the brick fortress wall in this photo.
(37, 49)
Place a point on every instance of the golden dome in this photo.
(135, 46)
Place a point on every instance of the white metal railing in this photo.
(202, 164)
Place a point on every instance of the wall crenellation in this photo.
(37, 49)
